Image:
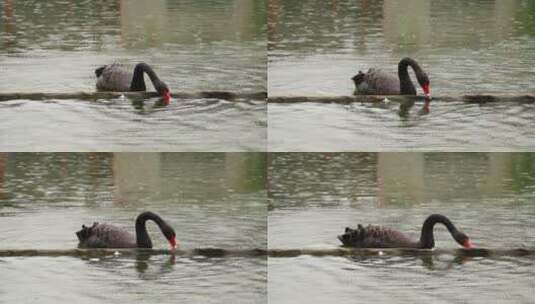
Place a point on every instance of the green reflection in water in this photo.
(91, 178)
(320, 179)
(87, 25)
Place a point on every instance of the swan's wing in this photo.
(113, 77)
(384, 237)
(378, 82)
(108, 236)
(375, 237)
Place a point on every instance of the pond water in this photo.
(316, 47)
(123, 125)
(55, 46)
(451, 126)
(489, 196)
(211, 200)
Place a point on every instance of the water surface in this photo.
(55, 46)
(451, 126)
(489, 196)
(481, 47)
(211, 200)
(133, 125)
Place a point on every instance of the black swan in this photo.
(377, 82)
(382, 237)
(114, 77)
(109, 236)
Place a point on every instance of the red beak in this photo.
(172, 242)
(468, 244)
(167, 97)
(427, 90)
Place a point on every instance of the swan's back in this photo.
(375, 237)
(105, 236)
(376, 82)
(113, 77)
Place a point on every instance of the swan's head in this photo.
(163, 90)
(423, 80)
(170, 235)
(463, 240)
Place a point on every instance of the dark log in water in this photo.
(236, 96)
(477, 252)
(92, 96)
(470, 98)
(275, 253)
(102, 252)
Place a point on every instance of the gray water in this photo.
(211, 200)
(314, 196)
(315, 47)
(55, 46)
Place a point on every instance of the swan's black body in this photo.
(115, 77)
(382, 237)
(377, 82)
(109, 236)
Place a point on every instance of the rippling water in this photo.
(212, 200)
(451, 126)
(124, 125)
(481, 46)
(487, 195)
(55, 46)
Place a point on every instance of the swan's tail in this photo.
(353, 236)
(99, 71)
(86, 232)
(357, 79)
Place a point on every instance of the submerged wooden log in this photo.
(236, 96)
(102, 252)
(468, 98)
(371, 252)
(231, 96)
(274, 253)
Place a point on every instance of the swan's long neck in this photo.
(406, 87)
(138, 82)
(142, 236)
(427, 238)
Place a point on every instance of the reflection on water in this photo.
(55, 46)
(184, 125)
(443, 126)
(188, 280)
(400, 279)
(313, 196)
(210, 199)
